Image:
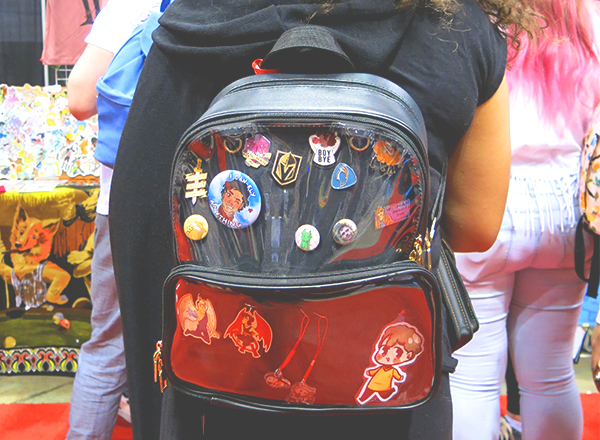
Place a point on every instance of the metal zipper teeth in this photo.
(418, 148)
(280, 82)
(230, 278)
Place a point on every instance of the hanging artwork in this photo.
(46, 248)
(67, 24)
(40, 139)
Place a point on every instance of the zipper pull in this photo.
(158, 366)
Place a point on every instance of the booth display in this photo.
(48, 196)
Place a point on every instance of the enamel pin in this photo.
(324, 147)
(386, 153)
(256, 152)
(343, 177)
(234, 199)
(286, 167)
(196, 183)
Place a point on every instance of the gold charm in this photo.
(196, 184)
(416, 254)
(427, 251)
(158, 367)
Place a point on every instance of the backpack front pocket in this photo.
(356, 341)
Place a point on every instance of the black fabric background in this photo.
(21, 43)
(199, 48)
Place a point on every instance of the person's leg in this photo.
(510, 425)
(541, 325)
(513, 396)
(478, 378)
(100, 378)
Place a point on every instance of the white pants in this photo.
(527, 297)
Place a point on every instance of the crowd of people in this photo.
(506, 88)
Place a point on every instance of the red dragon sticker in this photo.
(248, 330)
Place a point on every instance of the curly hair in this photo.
(513, 18)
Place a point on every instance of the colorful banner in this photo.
(40, 139)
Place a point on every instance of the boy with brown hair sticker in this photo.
(399, 344)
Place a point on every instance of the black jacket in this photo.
(201, 46)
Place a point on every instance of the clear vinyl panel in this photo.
(296, 197)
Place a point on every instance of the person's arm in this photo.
(81, 86)
(478, 176)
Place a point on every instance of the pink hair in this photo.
(561, 70)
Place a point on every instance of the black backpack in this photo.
(301, 214)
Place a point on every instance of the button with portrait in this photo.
(344, 231)
(234, 199)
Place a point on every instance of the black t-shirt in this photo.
(201, 46)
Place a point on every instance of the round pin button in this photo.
(344, 231)
(307, 237)
(234, 199)
(195, 227)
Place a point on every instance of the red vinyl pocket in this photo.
(353, 346)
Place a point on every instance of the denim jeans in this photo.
(101, 378)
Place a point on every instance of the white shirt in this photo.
(111, 29)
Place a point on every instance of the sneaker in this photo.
(507, 432)
(124, 410)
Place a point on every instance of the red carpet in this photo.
(45, 421)
(50, 421)
(591, 415)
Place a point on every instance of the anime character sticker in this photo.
(248, 330)
(197, 318)
(389, 215)
(234, 199)
(399, 345)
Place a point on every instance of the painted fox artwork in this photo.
(35, 279)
